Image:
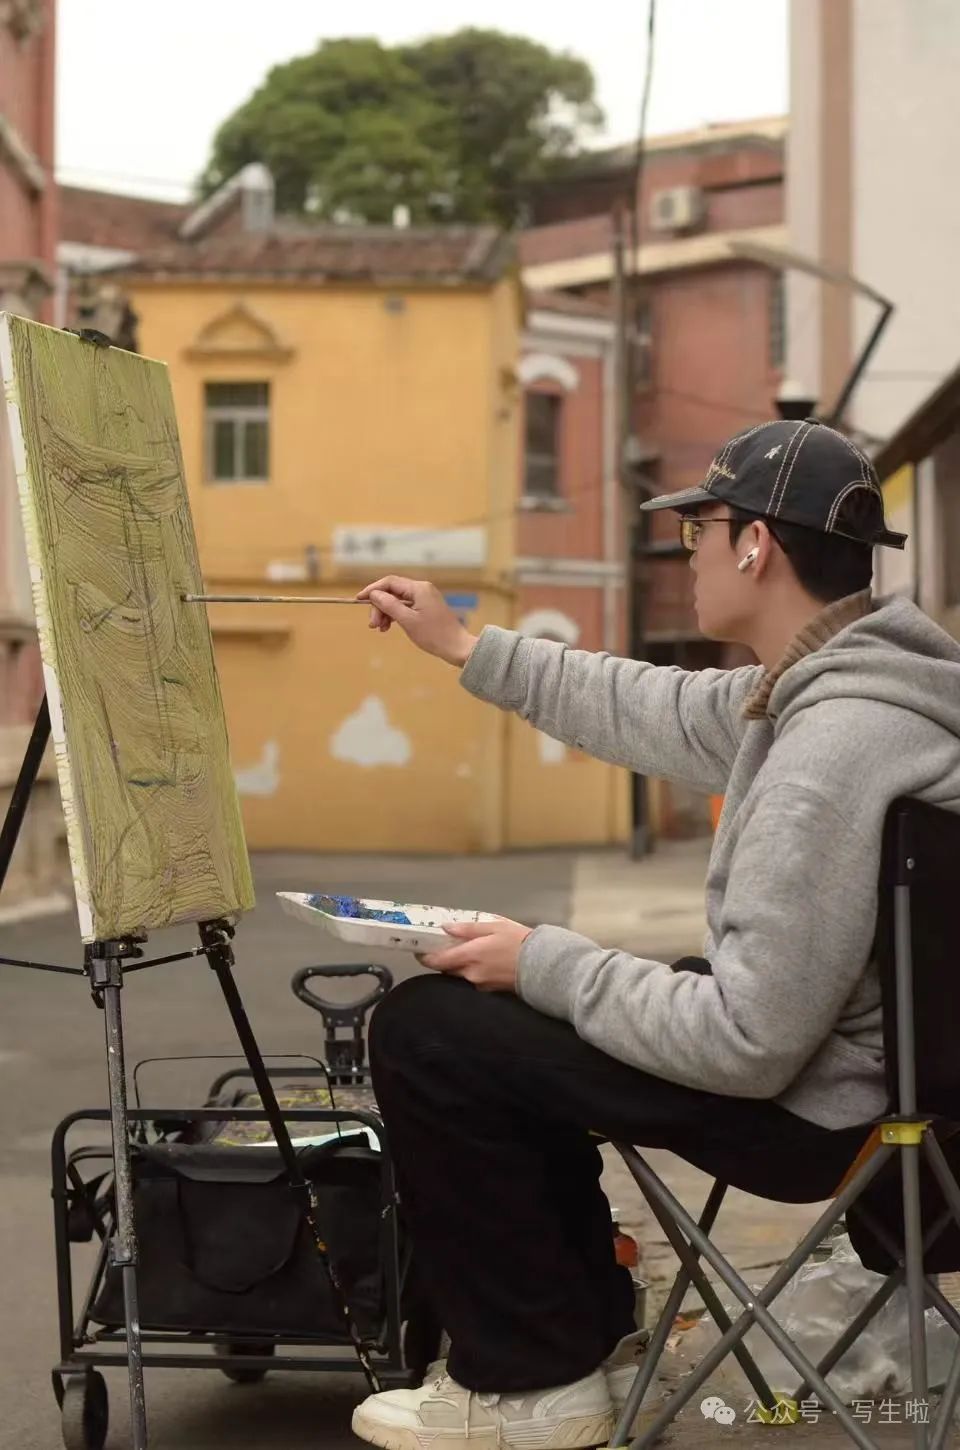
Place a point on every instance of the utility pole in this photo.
(621, 353)
(633, 520)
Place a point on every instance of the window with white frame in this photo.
(542, 445)
(237, 422)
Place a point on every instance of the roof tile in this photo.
(321, 252)
(108, 219)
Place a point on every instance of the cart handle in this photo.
(346, 1014)
(345, 1055)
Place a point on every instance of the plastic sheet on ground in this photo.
(814, 1308)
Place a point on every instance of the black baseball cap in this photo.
(797, 473)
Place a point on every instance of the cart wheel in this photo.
(240, 1348)
(84, 1413)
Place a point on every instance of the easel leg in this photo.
(104, 963)
(216, 938)
(20, 795)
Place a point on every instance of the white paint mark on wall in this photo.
(367, 738)
(552, 752)
(262, 779)
(550, 624)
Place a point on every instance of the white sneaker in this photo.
(444, 1416)
(620, 1366)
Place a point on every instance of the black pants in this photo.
(488, 1107)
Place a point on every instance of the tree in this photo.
(516, 110)
(457, 128)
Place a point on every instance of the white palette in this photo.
(424, 934)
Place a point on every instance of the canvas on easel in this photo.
(153, 820)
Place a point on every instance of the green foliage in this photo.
(457, 127)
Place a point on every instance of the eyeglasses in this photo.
(691, 528)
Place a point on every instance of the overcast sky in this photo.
(142, 87)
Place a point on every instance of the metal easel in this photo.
(105, 965)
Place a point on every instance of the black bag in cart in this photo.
(224, 1246)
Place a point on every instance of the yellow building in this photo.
(349, 405)
(919, 470)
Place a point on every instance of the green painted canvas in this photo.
(153, 820)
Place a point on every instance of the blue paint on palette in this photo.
(353, 907)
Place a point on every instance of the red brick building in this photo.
(568, 566)
(569, 561)
(28, 238)
(28, 241)
(708, 331)
(28, 199)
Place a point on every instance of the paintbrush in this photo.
(265, 599)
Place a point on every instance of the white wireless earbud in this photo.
(751, 558)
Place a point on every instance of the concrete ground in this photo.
(51, 1062)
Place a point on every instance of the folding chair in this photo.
(900, 1196)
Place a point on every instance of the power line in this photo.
(640, 156)
(719, 404)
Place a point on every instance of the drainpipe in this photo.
(611, 554)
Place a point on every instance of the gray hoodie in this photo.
(792, 1010)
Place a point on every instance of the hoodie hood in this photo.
(896, 655)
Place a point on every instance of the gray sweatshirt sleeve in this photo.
(796, 931)
(685, 725)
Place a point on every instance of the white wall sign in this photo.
(386, 544)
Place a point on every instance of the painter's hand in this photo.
(487, 953)
(422, 613)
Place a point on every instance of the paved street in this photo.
(51, 1061)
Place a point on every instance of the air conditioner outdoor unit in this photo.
(676, 209)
